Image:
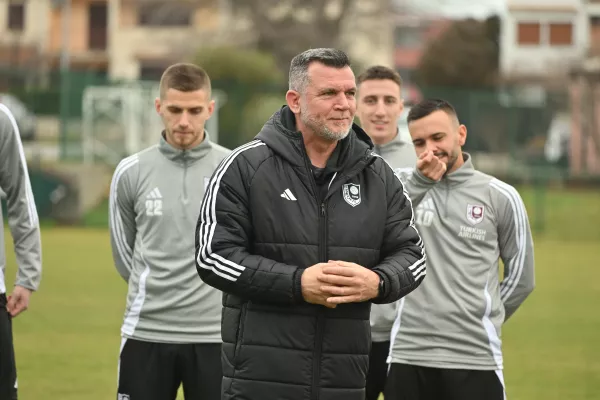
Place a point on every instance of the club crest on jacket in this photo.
(351, 194)
(475, 213)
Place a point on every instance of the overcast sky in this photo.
(456, 8)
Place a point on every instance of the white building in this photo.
(543, 37)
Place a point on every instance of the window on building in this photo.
(595, 21)
(529, 33)
(16, 16)
(152, 71)
(561, 34)
(97, 26)
(166, 14)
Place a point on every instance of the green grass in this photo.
(551, 344)
(67, 343)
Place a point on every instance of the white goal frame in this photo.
(128, 110)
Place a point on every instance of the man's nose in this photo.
(380, 109)
(431, 146)
(184, 120)
(342, 102)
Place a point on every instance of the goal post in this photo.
(120, 120)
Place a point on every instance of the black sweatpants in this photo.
(8, 369)
(410, 382)
(378, 369)
(154, 371)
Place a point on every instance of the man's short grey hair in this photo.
(299, 66)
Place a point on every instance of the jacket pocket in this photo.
(239, 337)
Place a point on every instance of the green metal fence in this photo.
(496, 123)
(506, 133)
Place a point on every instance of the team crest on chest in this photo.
(475, 213)
(351, 193)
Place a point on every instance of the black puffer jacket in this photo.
(261, 224)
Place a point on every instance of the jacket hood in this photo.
(280, 134)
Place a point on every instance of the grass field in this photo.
(67, 343)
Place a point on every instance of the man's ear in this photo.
(211, 108)
(157, 105)
(293, 101)
(462, 135)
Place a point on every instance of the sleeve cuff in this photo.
(297, 286)
(383, 287)
(26, 285)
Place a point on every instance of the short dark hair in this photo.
(380, 72)
(298, 78)
(429, 106)
(184, 77)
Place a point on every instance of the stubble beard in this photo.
(320, 129)
(452, 158)
(184, 142)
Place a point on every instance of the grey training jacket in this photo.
(400, 155)
(154, 199)
(20, 206)
(468, 222)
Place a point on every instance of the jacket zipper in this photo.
(323, 231)
(240, 332)
(322, 258)
(320, 313)
(184, 195)
(316, 369)
(447, 187)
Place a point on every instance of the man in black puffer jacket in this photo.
(302, 229)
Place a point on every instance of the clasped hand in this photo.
(338, 282)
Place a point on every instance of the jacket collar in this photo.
(187, 156)
(462, 174)
(394, 144)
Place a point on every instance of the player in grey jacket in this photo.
(446, 338)
(172, 326)
(24, 227)
(378, 108)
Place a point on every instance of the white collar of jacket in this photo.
(462, 174)
(187, 156)
(397, 141)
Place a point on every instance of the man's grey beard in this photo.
(322, 130)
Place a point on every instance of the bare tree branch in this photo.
(287, 27)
